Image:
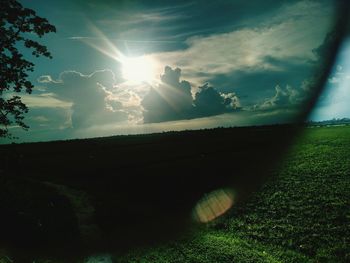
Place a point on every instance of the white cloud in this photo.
(296, 31)
(40, 119)
(133, 19)
(91, 97)
(284, 97)
(128, 18)
(44, 100)
(45, 79)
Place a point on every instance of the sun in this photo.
(138, 69)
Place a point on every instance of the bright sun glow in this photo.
(138, 69)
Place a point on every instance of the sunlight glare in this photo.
(138, 69)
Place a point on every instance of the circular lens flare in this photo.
(213, 205)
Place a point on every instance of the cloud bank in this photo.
(249, 63)
(92, 101)
(172, 99)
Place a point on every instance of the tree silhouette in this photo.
(16, 25)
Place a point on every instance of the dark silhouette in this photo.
(70, 199)
(15, 24)
(172, 100)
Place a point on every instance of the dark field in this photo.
(302, 214)
(70, 199)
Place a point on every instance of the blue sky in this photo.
(123, 67)
(334, 101)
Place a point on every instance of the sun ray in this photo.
(168, 88)
(107, 48)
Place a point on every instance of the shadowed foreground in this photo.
(302, 214)
(66, 198)
(70, 199)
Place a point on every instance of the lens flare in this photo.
(213, 205)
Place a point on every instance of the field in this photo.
(302, 214)
(101, 196)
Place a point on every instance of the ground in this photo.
(301, 213)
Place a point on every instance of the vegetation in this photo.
(300, 214)
(16, 25)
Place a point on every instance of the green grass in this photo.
(214, 246)
(302, 214)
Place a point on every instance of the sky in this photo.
(334, 102)
(128, 67)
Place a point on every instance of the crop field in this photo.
(301, 213)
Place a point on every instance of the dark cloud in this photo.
(172, 100)
(294, 97)
(253, 85)
(322, 51)
(208, 101)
